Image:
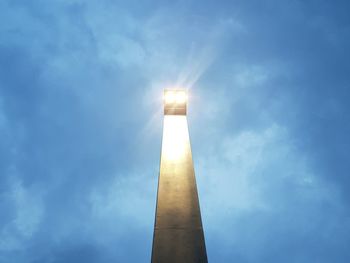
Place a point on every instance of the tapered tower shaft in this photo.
(178, 232)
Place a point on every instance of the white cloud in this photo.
(245, 173)
(29, 211)
(127, 201)
(250, 76)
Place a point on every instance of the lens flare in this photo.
(169, 97)
(181, 97)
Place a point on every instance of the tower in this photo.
(178, 232)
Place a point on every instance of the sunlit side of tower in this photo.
(178, 232)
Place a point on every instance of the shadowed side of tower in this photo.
(178, 232)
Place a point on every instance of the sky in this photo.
(81, 124)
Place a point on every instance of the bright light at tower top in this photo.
(175, 96)
(175, 101)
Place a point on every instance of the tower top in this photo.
(175, 101)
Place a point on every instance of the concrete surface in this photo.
(178, 233)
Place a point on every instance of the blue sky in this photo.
(81, 124)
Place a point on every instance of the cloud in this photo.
(29, 210)
(27, 216)
(239, 183)
(80, 122)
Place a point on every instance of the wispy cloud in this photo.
(81, 114)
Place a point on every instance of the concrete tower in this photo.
(178, 232)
